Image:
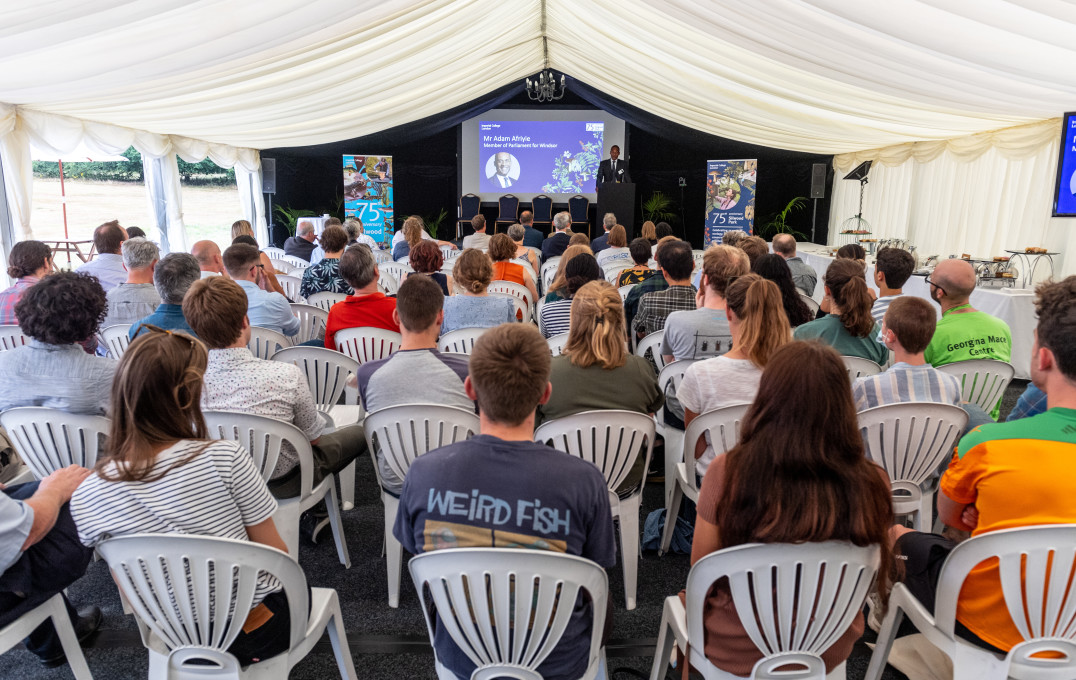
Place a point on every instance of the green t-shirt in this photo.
(832, 332)
(969, 335)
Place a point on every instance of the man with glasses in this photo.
(267, 309)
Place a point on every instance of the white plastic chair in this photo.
(184, 589)
(48, 439)
(652, 342)
(387, 283)
(291, 285)
(11, 337)
(401, 434)
(367, 343)
(381, 256)
(624, 291)
(265, 342)
(460, 341)
(312, 321)
(263, 438)
(982, 381)
(723, 426)
(281, 265)
(858, 367)
(518, 291)
(811, 303)
(1034, 565)
(669, 380)
(549, 271)
(912, 441)
(274, 253)
(793, 600)
(612, 274)
(54, 609)
(697, 257)
(325, 300)
(557, 343)
(398, 270)
(115, 339)
(611, 440)
(487, 599)
(296, 262)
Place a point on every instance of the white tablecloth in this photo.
(1014, 306)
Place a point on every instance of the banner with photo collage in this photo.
(730, 198)
(368, 193)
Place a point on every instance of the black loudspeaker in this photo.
(818, 180)
(268, 175)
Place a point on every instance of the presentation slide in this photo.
(516, 152)
(1065, 191)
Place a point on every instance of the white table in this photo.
(1014, 306)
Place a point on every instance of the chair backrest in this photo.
(381, 256)
(624, 290)
(911, 441)
(325, 300)
(449, 253)
(612, 273)
(507, 208)
(274, 253)
(697, 256)
(263, 437)
(610, 439)
(549, 271)
(387, 283)
(794, 600)
(811, 303)
(367, 343)
(542, 207)
(470, 204)
(48, 439)
(265, 342)
(291, 285)
(398, 270)
(652, 342)
(723, 426)
(281, 265)
(858, 367)
(115, 339)
(507, 608)
(557, 343)
(671, 375)
(11, 337)
(577, 208)
(460, 341)
(982, 381)
(516, 290)
(326, 371)
(186, 589)
(296, 262)
(312, 321)
(403, 433)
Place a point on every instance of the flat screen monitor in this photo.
(1065, 190)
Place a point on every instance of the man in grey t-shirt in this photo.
(704, 332)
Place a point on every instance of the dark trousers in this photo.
(333, 452)
(46, 568)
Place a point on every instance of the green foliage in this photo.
(658, 208)
(433, 224)
(571, 172)
(289, 217)
(205, 172)
(778, 222)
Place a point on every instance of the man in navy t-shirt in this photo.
(501, 489)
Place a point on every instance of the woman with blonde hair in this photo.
(474, 307)
(759, 328)
(413, 228)
(595, 369)
(557, 289)
(649, 232)
(243, 228)
(579, 239)
(502, 250)
(849, 327)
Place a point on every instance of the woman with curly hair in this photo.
(28, 263)
(849, 327)
(51, 369)
(426, 259)
(243, 228)
(580, 270)
(475, 307)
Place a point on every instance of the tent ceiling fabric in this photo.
(824, 76)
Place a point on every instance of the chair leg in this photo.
(664, 649)
(337, 525)
(672, 509)
(674, 447)
(66, 632)
(338, 638)
(393, 555)
(629, 547)
(347, 487)
(888, 632)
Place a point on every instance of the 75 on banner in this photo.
(730, 198)
(368, 193)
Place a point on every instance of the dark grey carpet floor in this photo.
(386, 642)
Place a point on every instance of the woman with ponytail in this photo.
(595, 370)
(849, 327)
(580, 270)
(475, 307)
(759, 328)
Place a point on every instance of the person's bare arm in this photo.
(952, 512)
(700, 443)
(705, 540)
(266, 534)
(270, 274)
(51, 494)
(528, 281)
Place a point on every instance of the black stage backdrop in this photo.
(426, 178)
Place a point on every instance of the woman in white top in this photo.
(163, 475)
(617, 254)
(759, 328)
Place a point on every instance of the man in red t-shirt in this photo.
(368, 306)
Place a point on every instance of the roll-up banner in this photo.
(368, 193)
(730, 198)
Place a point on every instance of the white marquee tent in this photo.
(958, 103)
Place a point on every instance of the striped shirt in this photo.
(881, 305)
(903, 383)
(555, 318)
(217, 493)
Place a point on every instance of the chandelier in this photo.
(544, 88)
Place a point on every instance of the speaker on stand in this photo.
(269, 188)
(818, 190)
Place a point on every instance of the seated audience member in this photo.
(136, 297)
(318, 253)
(325, 275)
(136, 232)
(172, 277)
(849, 328)
(426, 259)
(758, 328)
(266, 309)
(557, 242)
(236, 380)
(964, 332)
(28, 263)
(775, 268)
(40, 556)
(57, 314)
(892, 269)
(413, 231)
(733, 237)
(803, 275)
(704, 331)
(602, 242)
(555, 316)
(757, 493)
(754, 246)
(165, 475)
(640, 255)
(479, 239)
(649, 232)
(302, 244)
(1032, 402)
(518, 234)
(579, 239)
(1005, 476)
(676, 263)
(595, 370)
(532, 237)
(653, 283)
(368, 306)
(852, 251)
(243, 228)
(356, 234)
(416, 373)
(662, 230)
(616, 252)
(474, 307)
(210, 261)
(107, 264)
(502, 251)
(509, 378)
(558, 286)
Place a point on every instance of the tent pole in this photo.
(63, 204)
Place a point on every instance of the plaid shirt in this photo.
(10, 297)
(631, 304)
(655, 307)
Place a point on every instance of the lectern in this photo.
(619, 199)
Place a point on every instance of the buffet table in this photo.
(1014, 306)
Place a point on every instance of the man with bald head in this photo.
(209, 259)
(964, 332)
(803, 275)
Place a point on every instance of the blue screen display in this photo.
(1065, 196)
(539, 157)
